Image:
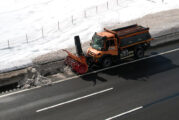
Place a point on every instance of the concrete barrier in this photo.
(12, 77)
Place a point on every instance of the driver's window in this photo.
(111, 43)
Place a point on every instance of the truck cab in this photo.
(103, 43)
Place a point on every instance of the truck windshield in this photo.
(97, 42)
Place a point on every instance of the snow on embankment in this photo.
(19, 17)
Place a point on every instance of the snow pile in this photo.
(33, 78)
(36, 27)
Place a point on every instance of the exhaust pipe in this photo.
(79, 50)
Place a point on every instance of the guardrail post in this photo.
(27, 38)
(72, 19)
(96, 9)
(58, 25)
(8, 43)
(117, 2)
(85, 14)
(107, 5)
(42, 33)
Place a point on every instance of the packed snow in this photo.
(30, 28)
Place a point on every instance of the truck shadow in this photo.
(93, 78)
(140, 70)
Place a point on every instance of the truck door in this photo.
(112, 46)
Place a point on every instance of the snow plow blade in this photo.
(77, 63)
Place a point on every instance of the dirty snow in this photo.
(21, 17)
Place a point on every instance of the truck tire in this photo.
(106, 62)
(139, 53)
(89, 61)
(146, 45)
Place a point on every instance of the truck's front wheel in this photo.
(89, 61)
(106, 62)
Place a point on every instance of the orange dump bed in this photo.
(129, 30)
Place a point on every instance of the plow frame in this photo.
(77, 63)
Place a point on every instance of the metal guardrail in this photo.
(15, 68)
(168, 34)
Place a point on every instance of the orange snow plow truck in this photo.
(109, 47)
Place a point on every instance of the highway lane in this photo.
(135, 84)
(164, 110)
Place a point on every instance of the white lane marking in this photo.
(124, 113)
(73, 100)
(5, 95)
(77, 76)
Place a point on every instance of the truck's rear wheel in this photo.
(106, 62)
(139, 53)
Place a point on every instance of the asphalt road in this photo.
(143, 90)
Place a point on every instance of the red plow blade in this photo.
(78, 64)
